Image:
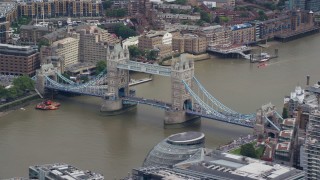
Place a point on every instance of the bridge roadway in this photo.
(151, 102)
(244, 123)
(167, 106)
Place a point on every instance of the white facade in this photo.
(167, 38)
(68, 49)
(131, 41)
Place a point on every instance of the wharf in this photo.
(292, 36)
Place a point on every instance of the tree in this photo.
(217, 20)
(107, 4)
(23, 83)
(3, 92)
(42, 42)
(248, 150)
(284, 113)
(124, 31)
(205, 16)
(200, 22)
(224, 19)
(182, 2)
(116, 12)
(196, 9)
(135, 51)
(262, 16)
(100, 66)
(152, 55)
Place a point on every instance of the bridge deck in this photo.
(146, 68)
(151, 102)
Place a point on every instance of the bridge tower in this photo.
(117, 79)
(45, 70)
(182, 69)
(267, 121)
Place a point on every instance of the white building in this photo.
(131, 41)
(167, 38)
(68, 49)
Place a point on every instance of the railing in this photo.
(145, 67)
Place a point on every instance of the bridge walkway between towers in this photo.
(151, 102)
(145, 68)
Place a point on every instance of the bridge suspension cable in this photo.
(219, 104)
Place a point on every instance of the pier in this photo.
(295, 35)
(231, 51)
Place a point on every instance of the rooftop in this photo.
(65, 171)
(284, 146)
(30, 27)
(186, 137)
(219, 165)
(289, 121)
(286, 133)
(6, 7)
(241, 26)
(64, 41)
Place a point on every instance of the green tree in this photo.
(217, 20)
(248, 150)
(23, 83)
(262, 16)
(152, 55)
(14, 92)
(224, 19)
(42, 42)
(135, 51)
(3, 92)
(200, 22)
(284, 113)
(100, 66)
(196, 9)
(124, 31)
(204, 16)
(107, 4)
(182, 2)
(116, 12)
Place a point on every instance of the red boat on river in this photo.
(48, 105)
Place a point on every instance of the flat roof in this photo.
(186, 137)
(255, 168)
(286, 133)
(227, 163)
(289, 121)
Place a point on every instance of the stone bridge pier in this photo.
(182, 69)
(118, 81)
(45, 70)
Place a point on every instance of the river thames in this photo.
(78, 134)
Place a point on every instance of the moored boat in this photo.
(48, 105)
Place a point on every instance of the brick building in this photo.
(18, 60)
(189, 43)
(57, 8)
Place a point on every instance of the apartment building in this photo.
(30, 34)
(68, 49)
(189, 43)
(18, 60)
(8, 13)
(312, 147)
(242, 34)
(153, 38)
(290, 23)
(93, 43)
(216, 35)
(58, 8)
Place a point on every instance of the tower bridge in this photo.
(189, 99)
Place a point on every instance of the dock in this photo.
(292, 36)
(140, 81)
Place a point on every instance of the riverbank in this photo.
(14, 105)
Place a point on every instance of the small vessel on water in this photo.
(48, 105)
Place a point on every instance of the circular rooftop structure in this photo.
(186, 138)
(174, 149)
